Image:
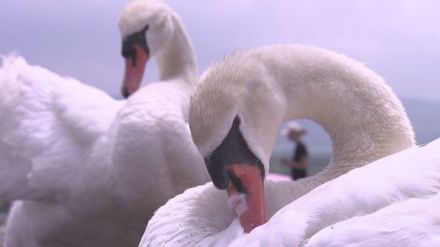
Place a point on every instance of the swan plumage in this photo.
(85, 169)
(263, 88)
(413, 222)
(363, 204)
(46, 115)
(398, 206)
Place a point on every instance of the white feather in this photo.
(89, 170)
(413, 173)
(265, 87)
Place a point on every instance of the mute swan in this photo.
(235, 113)
(150, 28)
(88, 170)
(362, 201)
(413, 222)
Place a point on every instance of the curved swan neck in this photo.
(176, 59)
(361, 114)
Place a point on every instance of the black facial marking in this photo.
(128, 43)
(233, 150)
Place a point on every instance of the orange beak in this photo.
(134, 71)
(248, 179)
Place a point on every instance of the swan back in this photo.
(201, 215)
(48, 114)
(413, 222)
(358, 196)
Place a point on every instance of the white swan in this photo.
(370, 203)
(237, 109)
(412, 222)
(89, 170)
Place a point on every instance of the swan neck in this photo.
(176, 59)
(270, 85)
(362, 116)
(361, 129)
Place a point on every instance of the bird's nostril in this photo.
(124, 92)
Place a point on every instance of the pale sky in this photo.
(400, 40)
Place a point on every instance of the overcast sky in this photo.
(79, 38)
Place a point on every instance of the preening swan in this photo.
(88, 170)
(370, 203)
(412, 222)
(235, 113)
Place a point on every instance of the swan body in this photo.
(413, 222)
(84, 169)
(352, 209)
(46, 115)
(349, 210)
(263, 88)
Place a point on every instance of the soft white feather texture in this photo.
(391, 199)
(413, 222)
(50, 123)
(89, 170)
(413, 173)
(265, 87)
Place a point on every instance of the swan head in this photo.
(145, 26)
(234, 117)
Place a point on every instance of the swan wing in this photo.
(410, 177)
(49, 123)
(413, 222)
(412, 173)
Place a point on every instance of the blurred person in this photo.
(298, 162)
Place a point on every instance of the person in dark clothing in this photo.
(299, 160)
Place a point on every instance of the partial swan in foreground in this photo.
(235, 113)
(413, 222)
(385, 203)
(88, 170)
